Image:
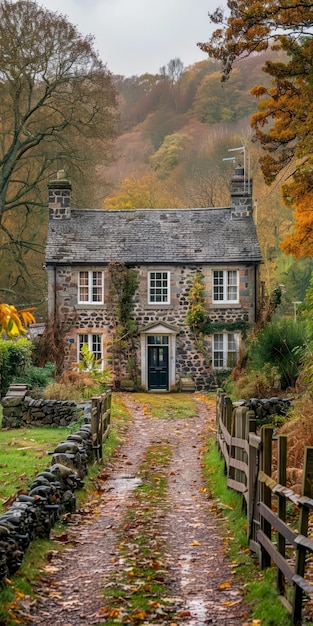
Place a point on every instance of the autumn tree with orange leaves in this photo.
(284, 121)
(146, 192)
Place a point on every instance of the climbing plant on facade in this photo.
(123, 285)
(196, 313)
(200, 322)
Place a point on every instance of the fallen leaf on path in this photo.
(50, 569)
(229, 603)
(139, 614)
(184, 614)
(104, 610)
(195, 543)
(225, 585)
(62, 538)
(55, 594)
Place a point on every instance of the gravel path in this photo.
(69, 593)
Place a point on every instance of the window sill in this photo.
(89, 306)
(225, 305)
(158, 306)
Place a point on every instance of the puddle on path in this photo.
(122, 484)
(198, 610)
(185, 570)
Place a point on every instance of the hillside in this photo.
(174, 131)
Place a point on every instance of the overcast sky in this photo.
(138, 36)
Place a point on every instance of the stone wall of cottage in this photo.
(98, 319)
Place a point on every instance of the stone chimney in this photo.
(59, 197)
(241, 194)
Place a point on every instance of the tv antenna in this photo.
(246, 170)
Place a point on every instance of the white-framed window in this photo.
(159, 287)
(225, 286)
(225, 350)
(94, 343)
(90, 287)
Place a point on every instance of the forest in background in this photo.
(173, 132)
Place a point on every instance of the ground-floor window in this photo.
(94, 344)
(225, 350)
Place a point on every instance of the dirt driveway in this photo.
(70, 592)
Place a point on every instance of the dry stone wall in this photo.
(51, 494)
(19, 409)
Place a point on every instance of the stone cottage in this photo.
(166, 250)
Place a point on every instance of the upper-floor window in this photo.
(225, 286)
(90, 287)
(159, 287)
(225, 350)
(94, 345)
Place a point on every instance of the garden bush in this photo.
(77, 386)
(37, 378)
(15, 359)
(281, 344)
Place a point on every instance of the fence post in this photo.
(95, 425)
(281, 542)
(252, 462)
(265, 492)
(100, 427)
(307, 490)
(238, 431)
(219, 413)
(227, 421)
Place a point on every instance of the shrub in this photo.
(256, 384)
(37, 377)
(72, 385)
(15, 359)
(281, 344)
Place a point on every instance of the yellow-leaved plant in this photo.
(13, 322)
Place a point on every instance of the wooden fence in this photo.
(100, 422)
(248, 459)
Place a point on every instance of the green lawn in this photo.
(23, 453)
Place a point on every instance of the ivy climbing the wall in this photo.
(123, 286)
(196, 315)
(198, 319)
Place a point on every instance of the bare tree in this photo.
(56, 99)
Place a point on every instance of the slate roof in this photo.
(152, 236)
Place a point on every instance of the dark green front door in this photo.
(158, 362)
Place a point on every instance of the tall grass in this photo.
(281, 344)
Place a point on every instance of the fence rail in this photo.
(248, 460)
(100, 422)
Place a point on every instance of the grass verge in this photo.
(24, 453)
